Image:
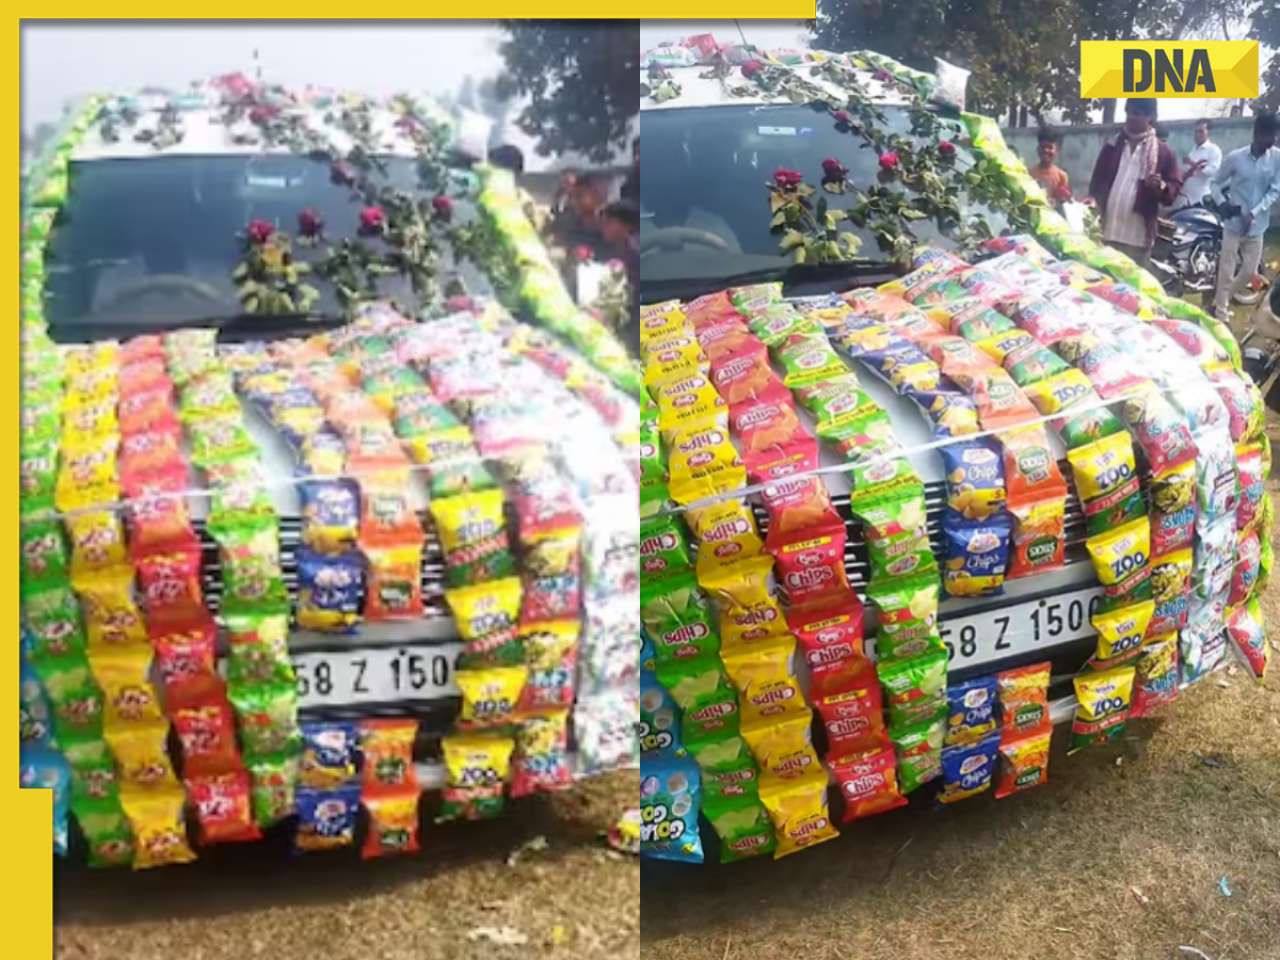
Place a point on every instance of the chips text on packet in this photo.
(971, 710)
(798, 809)
(868, 783)
(764, 673)
(968, 768)
(477, 767)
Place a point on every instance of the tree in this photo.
(580, 78)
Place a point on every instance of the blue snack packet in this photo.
(44, 767)
(977, 554)
(659, 719)
(975, 477)
(670, 793)
(35, 723)
(971, 710)
(329, 758)
(329, 589)
(326, 818)
(330, 511)
(967, 769)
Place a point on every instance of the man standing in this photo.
(1200, 166)
(1247, 184)
(1047, 173)
(1133, 175)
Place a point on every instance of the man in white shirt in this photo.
(1200, 166)
(1249, 182)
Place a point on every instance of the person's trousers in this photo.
(1139, 255)
(1237, 263)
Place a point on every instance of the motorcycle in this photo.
(1262, 363)
(1189, 242)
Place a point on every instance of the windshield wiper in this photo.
(798, 279)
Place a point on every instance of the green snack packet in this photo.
(756, 296)
(1089, 426)
(778, 321)
(808, 357)
(654, 498)
(653, 459)
(662, 546)
(907, 610)
(894, 521)
(837, 396)
(916, 688)
(267, 716)
(106, 829)
(53, 617)
(44, 554)
(1033, 366)
(678, 618)
(701, 689)
(421, 413)
(258, 648)
(273, 779)
(41, 422)
(250, 554)
(735, 782)
(218, 438)
(919, 750)
(38, 475)
(720, 750)
(73, 695)
(742, 824)
(93, 769)
(985, 323)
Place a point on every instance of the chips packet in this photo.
(326, 818)
(1156, 676)
(764, 673)
(274, 777)
(1248, 637)
(783, 745)
(329, 755)
(477, 768)
(222, 806)
(541, 760)
(854, 717)
(968, 769)
(915, 688)
(1106, 480)
(1024, 697)
(919, 751)
(159, 830)
(1104, 700)
(393, 823)
(669, 802)
(1120, 559)
(798, 809)
(971, 710)
(1024, 760)
(741, 823)
(868, 783)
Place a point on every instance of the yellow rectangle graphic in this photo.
(1223, 69)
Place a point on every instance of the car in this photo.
(704, 227)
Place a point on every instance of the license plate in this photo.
(390, 674)
(1029, 627)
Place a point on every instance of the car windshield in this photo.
(151, 243)
(706, 169)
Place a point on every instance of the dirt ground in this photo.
(576, 898)
(1122, 856)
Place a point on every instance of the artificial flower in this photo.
(260, 231)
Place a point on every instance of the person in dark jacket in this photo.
(1134, 174)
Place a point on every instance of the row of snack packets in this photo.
(345, 765)
(254, 606)
(166, 556)
(94, 467)
(539, 286)
(683, 633)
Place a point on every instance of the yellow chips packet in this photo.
(743, 582)
(764, 673)
(1059, 392)
(490, 695)
(112, 617)
(1103, 702)
(477, 767)
(687, 400)
(141, 754)
(126, 688)
(159, 827)
(1121, 631)
(701, 462)
(725, 531)
(1120, 559)
(798, 809)
(97, 540)
(675, 355)
(783, 746)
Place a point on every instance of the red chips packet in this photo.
(868, 782)
(854, 715)
(393, 582)
(169, 584)
(1024, 697)
(206, 728)
(830, 631)
(1024, 760)
(810, 563)
(224, 812)
(184, 653)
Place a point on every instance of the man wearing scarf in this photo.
(1134, 174)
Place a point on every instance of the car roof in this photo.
(201, 110)
(700, 88)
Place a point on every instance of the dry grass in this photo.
(575, 899)
(1117, 858)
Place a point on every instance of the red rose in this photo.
(261, 114)
(260, 231)
(833, 169)
(309, 223)
(785, 179)
(888, 160)
(341, 172)
(443, 207)
(372, 220)
(842, 116)
(882, 75)
(582, 253)
(751, 68)
(947, 149)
